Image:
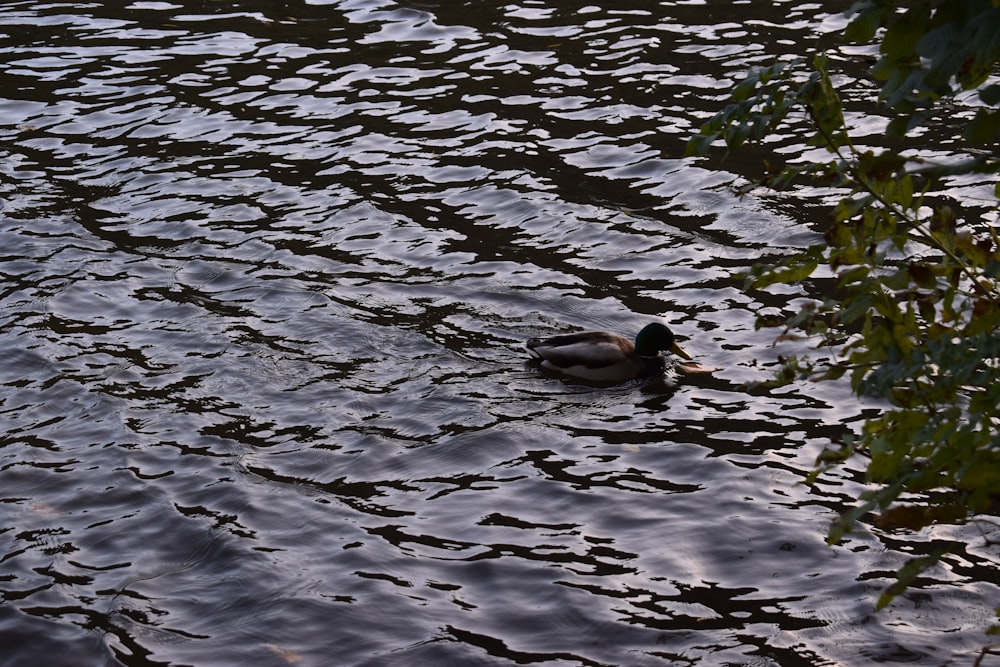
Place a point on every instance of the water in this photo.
(267, 268)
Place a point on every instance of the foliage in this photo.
(914, 316)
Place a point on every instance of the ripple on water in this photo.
(267, 275)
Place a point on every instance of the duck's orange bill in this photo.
(679, 351)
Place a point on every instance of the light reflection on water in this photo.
(267, 272)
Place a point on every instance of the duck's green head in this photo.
(655, 338)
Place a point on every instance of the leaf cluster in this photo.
(914, 319)
(932, 50)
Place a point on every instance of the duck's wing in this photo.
(591, 349)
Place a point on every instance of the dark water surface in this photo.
(266, 270)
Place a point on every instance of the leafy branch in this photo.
(915, 315)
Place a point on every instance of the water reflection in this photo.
(268, 268)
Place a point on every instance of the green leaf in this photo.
(743, 90)
(787, 274)
(905, 90)
(899, 42)
(856, 275)
(990, 94)
(983, 32)
(922, 274)
(905, 195)
(856, 307)
(737, 135)
(882, 166)
(699, 144)
(849, 207)
(862, 27)
(901, 125)
(909, 573)
(984, 128)
(823, 105)
(947, 48)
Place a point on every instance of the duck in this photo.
(600, 356)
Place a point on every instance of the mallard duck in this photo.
(600, 356)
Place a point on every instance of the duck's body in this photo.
(600, 356)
